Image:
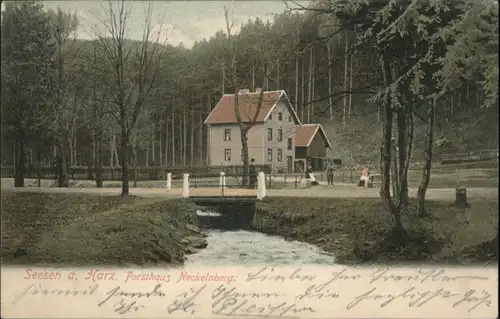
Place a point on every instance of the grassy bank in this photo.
(356, 230)
(80, 230)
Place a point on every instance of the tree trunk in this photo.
(38, 167)
(173, 129)
(98, 154)
(426, 174)
(160, 146)
(223, 79)
(75, 158)
(330, 88)
(346, 59)
(207, 137)
(407, 147)
(124, 148)
(385, 149)
(402, 194)
(117, 158)
(184, 138)
(153, 142)
(71, 160)
(166, 142)
(63, 164)
(111, 140)
(136, 172)
(20, 158)
(302, 88)
(200, 141)
(91, 158)
(452, 106)
(310, 82)
(278, 75)
(253, 77)
(296, 97)
(313, 92)
(90, 168)
(350, 84)
(244, 151)
(394, 173)
(191, 139)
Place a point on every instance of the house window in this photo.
(290, 118)
(269, 134)
(289, 143)
(280, 155)
(280, 135)
(270, 116)
(227, 155)
(280, 116)
(269, 154)
(227, 134)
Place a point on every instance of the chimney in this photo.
(257, 90)
(243, 91)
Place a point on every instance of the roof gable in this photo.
(305, 134)
(286, 100)
(224, 113)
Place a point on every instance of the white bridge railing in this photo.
(261, 184)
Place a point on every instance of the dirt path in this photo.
(447, 194)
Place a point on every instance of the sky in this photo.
(179, 21)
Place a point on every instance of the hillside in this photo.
(469, 130)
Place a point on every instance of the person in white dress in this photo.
(365, 177)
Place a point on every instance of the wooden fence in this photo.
(150, 173)
(483, 155)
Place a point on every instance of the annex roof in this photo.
(305, 134)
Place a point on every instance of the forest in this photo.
(364, 69)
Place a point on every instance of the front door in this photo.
(289, 164)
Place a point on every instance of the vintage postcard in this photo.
(249, 159)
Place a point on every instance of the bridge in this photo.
(235, 207)
(222, 195)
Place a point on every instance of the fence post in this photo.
(169, 181)
(261, 186)
(222, 179)
(185, 186)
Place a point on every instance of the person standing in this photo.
(329, 173)
(253, 174)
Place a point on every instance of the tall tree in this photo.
(27, 65)
(63, 28)
(135, 67)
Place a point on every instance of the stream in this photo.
(240, 247)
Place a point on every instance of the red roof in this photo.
(223, 113)
(305, 134)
